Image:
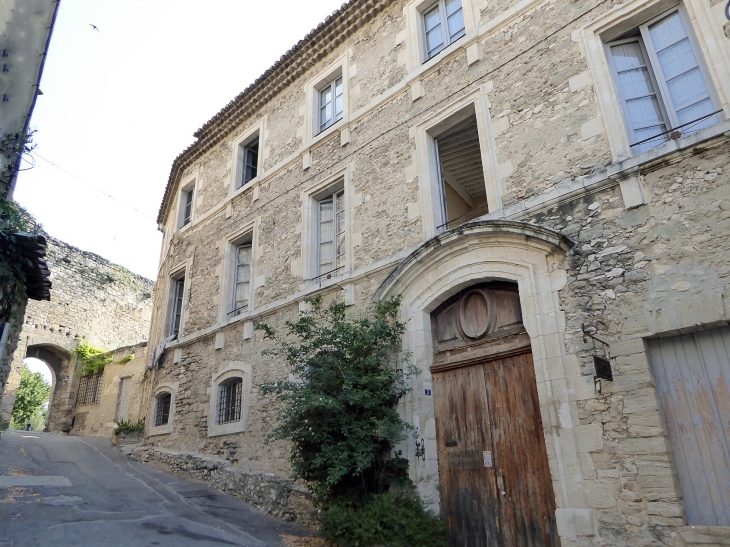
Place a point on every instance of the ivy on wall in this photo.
(93, 359)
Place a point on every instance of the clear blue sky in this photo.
(119, 104)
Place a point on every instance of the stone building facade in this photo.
(92, 300)
(502, 183)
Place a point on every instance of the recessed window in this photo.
(330, 104)
(186, 204)
(241, 279)
(331, 233)
(177, 304)
(663, 86)
(230, 394)
(250, 160)
(162, 409)
(443, 24)
(462, 184)
(90, 388)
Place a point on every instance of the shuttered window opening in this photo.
(90, 386)
(162, 409)
(123, 400)
(242, 279)
(331, 235)
(177, 305)
(462, 185)
(229, 401)
(692, 375)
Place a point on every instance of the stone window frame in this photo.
(247, 232)
(165, 387)
(234, 369)
(258, 130)
(178, 272)
(189, 185)
(428, 176)
(417, 52)
(594, 36)
(339, 67)
(341, 180)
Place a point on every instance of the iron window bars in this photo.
(229, 401)
(90, 389)
(162, 409)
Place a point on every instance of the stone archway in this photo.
(60, 407)
(530, 256)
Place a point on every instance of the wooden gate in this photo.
(123, 399)
(692, 374)
(495, 482)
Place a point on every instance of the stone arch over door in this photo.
(59, 361)
(530, 256)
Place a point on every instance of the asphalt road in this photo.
(58, 491)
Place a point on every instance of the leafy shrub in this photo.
(391, 519)
(127, 427)
(339, 414)
(94, 360)
(33, 393)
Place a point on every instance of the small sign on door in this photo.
(487, 458)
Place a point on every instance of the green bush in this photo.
(94, 360)
(391, 519)
(127, 427)
(339, 412)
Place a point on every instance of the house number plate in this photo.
(487, 458)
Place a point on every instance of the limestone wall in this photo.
(99, 419)
(92, 300)
(651, 233)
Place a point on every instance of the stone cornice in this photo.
(315, 46)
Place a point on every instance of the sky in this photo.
(36, 365)
(121, 102)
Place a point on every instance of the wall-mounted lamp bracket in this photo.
(421, 449)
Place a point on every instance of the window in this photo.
(177, 305)
(443, 24)
(331, 233)
(330, 104)
(250, 157)
(242, 278)
(459, 164)
(662, 83)
(90, 387)
(229, 401)
(162, 408)
(188, 210)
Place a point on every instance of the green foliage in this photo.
(94, 360)
(392, 519)
(340, 416)
(32, 395)
(127, 359)
(37, 421)
(127, 427)
(13, 219)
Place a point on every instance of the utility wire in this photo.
(95, 188)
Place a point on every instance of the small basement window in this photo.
(162, 408)
(463, 190)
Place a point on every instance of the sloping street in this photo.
(57, 490)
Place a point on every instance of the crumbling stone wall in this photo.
(641, 268)
(92, 300)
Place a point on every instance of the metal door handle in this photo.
(504, 493)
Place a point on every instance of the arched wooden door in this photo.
(495, 482)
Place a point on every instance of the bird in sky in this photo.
(94, 27)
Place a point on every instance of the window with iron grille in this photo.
(90, 389)
(443, 24)
(162, 409)
(662, 82)
(229, 400)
